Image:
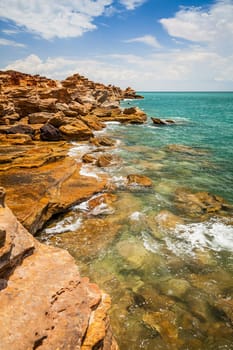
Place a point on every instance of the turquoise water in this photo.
(205, 120)
(167, 264)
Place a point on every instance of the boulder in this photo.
(103, 141)
(39, 117)
(48, 132)
(93, 122)
(158, 121)
(104, 160)
(139, 180)
(76, 131)
(166, 219)
(21, 129)
(89, 158)
(200, 203)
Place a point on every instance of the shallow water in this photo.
(170, 277)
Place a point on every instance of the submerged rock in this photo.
(139, 180)
(200, 203)
(166, 219)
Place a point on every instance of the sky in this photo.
(150, 45)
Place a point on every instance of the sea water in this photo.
(171, 285)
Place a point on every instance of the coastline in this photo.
(39, 119)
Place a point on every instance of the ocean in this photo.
(164, 255)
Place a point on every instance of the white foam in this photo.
(87, 170)
(119, 181)
(67, 224)
(136, 216)
(102, 208)
(79, 150)
(214, 234)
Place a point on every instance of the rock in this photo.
(63, 310)
(47, 188)
(89, 158)
(165, 219)
(105, 198)
(225, 305)
(130, 110)
(104, 160)
(48, 132)
(87, 241)
(200, 203)
(164, 322)
(186, 150)
(76, 131)
(175, 287)
(39, 117)
(158, 121)
(16, 243)
(139, 180)
(58, 119)
(21, 129)
(133, 252)
(93, 122)
(103, 141)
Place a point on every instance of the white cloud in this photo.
(10, 31)
(190, 69)
(49, 19)
(146, 39)
(132, 4)
(212, 27)
(6, 42)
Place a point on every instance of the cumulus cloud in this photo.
(50, 19)
(6, 42)
(212, 27)
(132, 4)
(146, 39)
(191, 69)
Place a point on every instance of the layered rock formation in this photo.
(44, 303)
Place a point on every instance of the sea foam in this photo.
(215, 234)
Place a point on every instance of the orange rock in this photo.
(139, 180)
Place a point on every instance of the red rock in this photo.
(139, 180)
(48, 132)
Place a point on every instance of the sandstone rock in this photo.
(168, 220)
(48, 132)
(103, 141)
(47, 189)
(175, 287)
(104, 160)
(16, 242)
(106, 198)
(77, 131)
(21, 129)
(158, 121)
(42, 307)
(89, 158)
(186, 150)
(39, 117)
(200, 203)
(226, 306)
(139, 180)
(93, 122)
(164, 322)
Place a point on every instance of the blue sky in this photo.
(159, 45)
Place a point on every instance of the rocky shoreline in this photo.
(44, 302)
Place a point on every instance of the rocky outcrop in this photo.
(40, 307)
(36, 100)
(44, 303)
(161, 122)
